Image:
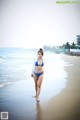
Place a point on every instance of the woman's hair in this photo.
(41, 51)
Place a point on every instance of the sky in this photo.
(35, 23)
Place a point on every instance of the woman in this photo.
(38, 73)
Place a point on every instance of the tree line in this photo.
(67, 45)
(73, 45)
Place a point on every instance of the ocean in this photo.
(16, 65)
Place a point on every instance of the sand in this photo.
(17, 99)
(66, 106)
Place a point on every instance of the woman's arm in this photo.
(33, 67)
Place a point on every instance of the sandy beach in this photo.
(18, 101)
(66, 106)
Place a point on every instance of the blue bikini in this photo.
(36, 64)
(38, 74)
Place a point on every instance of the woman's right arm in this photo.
(33, 67)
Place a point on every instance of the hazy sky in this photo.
(33, 23)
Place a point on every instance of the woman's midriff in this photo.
(38, 69)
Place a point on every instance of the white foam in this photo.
(5, 84)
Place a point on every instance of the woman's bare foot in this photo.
(37, 100)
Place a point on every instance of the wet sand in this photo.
(17, 98)
(66, 106)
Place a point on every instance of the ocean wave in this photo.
(5, 84)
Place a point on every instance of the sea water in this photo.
(16, 65)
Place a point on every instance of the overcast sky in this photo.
(34, 23)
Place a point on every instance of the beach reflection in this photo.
(38, 111)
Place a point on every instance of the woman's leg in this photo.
(39, 83)
(35, 81)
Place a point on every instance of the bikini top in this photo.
(36, 64)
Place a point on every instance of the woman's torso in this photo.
(39, 66)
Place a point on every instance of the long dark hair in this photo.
(41, 51)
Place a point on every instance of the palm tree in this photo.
(73, 46)
(78, 41)
(67, 45)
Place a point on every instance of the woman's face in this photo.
(39, 55)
